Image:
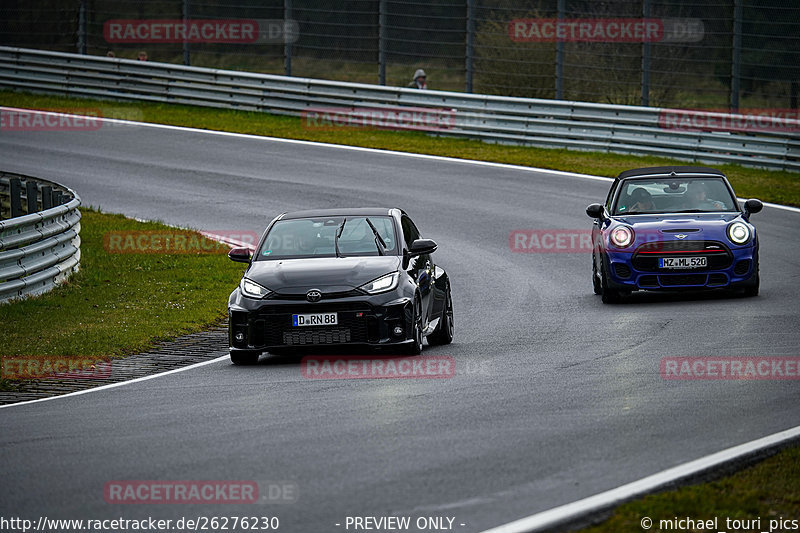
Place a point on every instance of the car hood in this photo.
(329, 274)
(694, 225)
(687, 227)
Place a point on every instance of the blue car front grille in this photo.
(645, 258)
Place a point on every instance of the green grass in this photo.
(769, 490)
(772, 186)
(118, 304)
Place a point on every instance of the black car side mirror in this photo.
(752, 206)
(240, 255)
(422, 247)
(595, 211)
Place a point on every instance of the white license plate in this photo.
(315, 319)
(682, 262)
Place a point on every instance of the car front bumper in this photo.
(261, 325)
(623, 273)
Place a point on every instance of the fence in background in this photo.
(527, 121)
(724, 55)
(39, 235)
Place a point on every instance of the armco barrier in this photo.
(527, 121)
(39, 235)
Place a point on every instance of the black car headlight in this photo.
(738, 233)
(251, 289)
(382, 284)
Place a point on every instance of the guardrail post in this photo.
(31, 196)
(470, 45)
(187, 60)
(47, 197)
(287, 44)
(646, 59)
(736, 56)
(15, 188)
(82, 16)
(58, 198)
(562, 7)
(382, 42)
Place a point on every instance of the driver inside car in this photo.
(697, 198)
(642, 201)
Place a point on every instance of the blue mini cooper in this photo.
(673, 228)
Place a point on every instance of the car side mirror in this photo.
(752, 206)
(595, 211)
(240, 255)
(422, 247)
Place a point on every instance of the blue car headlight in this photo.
(738, 233)
(621, 236)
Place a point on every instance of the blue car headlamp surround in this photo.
(621, 236)
(738, 233)
(382, 284)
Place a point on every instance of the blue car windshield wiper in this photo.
(379, 242)
(336, 237)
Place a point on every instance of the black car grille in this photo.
(648, 281)
(622, 270)
(683, 279)
(272, 325)
(717, 279)
(742, 267)
(317, 336)
(645, 258)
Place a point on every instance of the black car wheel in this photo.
(415, 347)
(608, 295)
(443, 334)
(242, 357)
(752, 289)
(595, 277)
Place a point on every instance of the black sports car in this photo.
(339, 277)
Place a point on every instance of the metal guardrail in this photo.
(39, 235)
(526, 121)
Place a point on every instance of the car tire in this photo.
(443, 334)
(598, 289)
(244, 358)
(608, 295)
(752, 289)
(415, 347)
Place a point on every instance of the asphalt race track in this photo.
(556, 396)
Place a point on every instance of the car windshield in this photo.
(328, 237)
(679, 195)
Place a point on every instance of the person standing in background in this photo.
(420, 80)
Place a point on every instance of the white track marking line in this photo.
(557, 515)
(120, 384)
